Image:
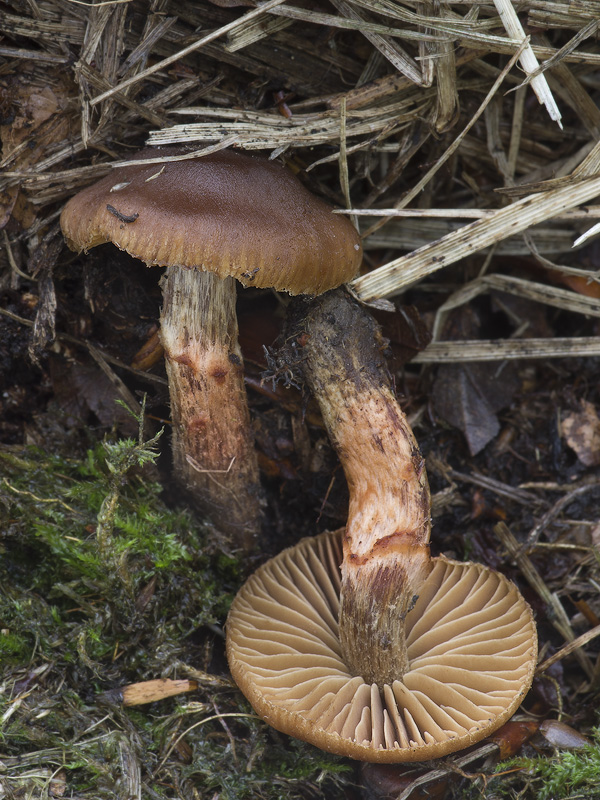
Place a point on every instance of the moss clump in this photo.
(101, 585)
(93, 556)
(265, 765)
(568, 775)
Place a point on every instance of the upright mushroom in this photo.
(212, 220)
(395, 656)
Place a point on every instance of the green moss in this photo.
(101, 585)
(86, 537)
(13, 647)
(261, 764)
(566, 775)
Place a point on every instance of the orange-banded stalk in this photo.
(386, 543)
(212, 440)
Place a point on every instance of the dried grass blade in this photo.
(515, 218)
(589, 234)
(459, 351)
(255, 31)
(254, 131)
(528, 60)
(588, 30)
(454, 146)
(391, 50)
(572, 91)
(32, 55)
(96, 79)
(343, 159)
(353, 24)
(141, 52)
(559, 618)
(587, 213)
(444, 59)
(538, 292)
(231, 26)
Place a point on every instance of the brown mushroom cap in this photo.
(471, 643)
(229, 213)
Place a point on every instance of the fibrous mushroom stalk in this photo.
(233, 215)
(386, 552)
(213, 447)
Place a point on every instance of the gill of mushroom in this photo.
(211, 221)
(386, 542)
(393, 656)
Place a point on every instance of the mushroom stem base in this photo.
(375, 599)
(385, 550)
(213, 448)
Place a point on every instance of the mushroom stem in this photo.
(386, 551)
(213, 449)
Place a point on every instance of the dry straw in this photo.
(402, 94)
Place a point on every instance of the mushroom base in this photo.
(375, 600)
(471, 645)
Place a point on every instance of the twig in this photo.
(567, 649)
(556, 613)
(197, 725)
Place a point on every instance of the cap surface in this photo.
(229, 213)
(472, 649)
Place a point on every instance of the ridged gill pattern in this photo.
(471, 645)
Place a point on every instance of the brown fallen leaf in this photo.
(39, 114)
(58, 784)
(513, 735)
(83, 387)
(406, 331)
(581, 430)
(468, 397)
(562, 735)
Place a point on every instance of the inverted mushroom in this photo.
(212, 220)
(395, 656)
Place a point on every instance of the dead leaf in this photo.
(8, 198)
(468, 397)
(35, 103)
(581, 430)
(562, 735)
(513, 735)
(406, 331)
(39, 114)
(80, 388)
(58, 784)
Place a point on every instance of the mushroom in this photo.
(394, 656)
(211, 221)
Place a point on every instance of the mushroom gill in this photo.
(471, 648)
(358, 641)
